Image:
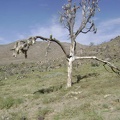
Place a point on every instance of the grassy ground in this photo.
(33, 95)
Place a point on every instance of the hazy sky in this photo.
(21, 19)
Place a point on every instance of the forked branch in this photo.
(112, 66)
(88, 11)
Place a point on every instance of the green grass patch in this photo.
(8, 102)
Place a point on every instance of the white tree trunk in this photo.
(70, 63)
(69, 80)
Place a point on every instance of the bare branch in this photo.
(56, 41)
(88, 11)
(112, 66)
(67, 17)
(89, 29)
(48, 48)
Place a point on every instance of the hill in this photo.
(37, 52)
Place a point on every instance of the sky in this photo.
(21, 19)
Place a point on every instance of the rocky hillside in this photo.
(108, 50)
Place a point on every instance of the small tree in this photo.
(67, 18)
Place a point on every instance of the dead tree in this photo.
(67, 18)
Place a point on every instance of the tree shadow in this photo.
(79, 77)
(58, 87)
(48, 90)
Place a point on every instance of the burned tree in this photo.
(67, 18)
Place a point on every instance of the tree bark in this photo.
(70, 62)
(69, 79)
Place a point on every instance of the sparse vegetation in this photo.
(43, 94)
